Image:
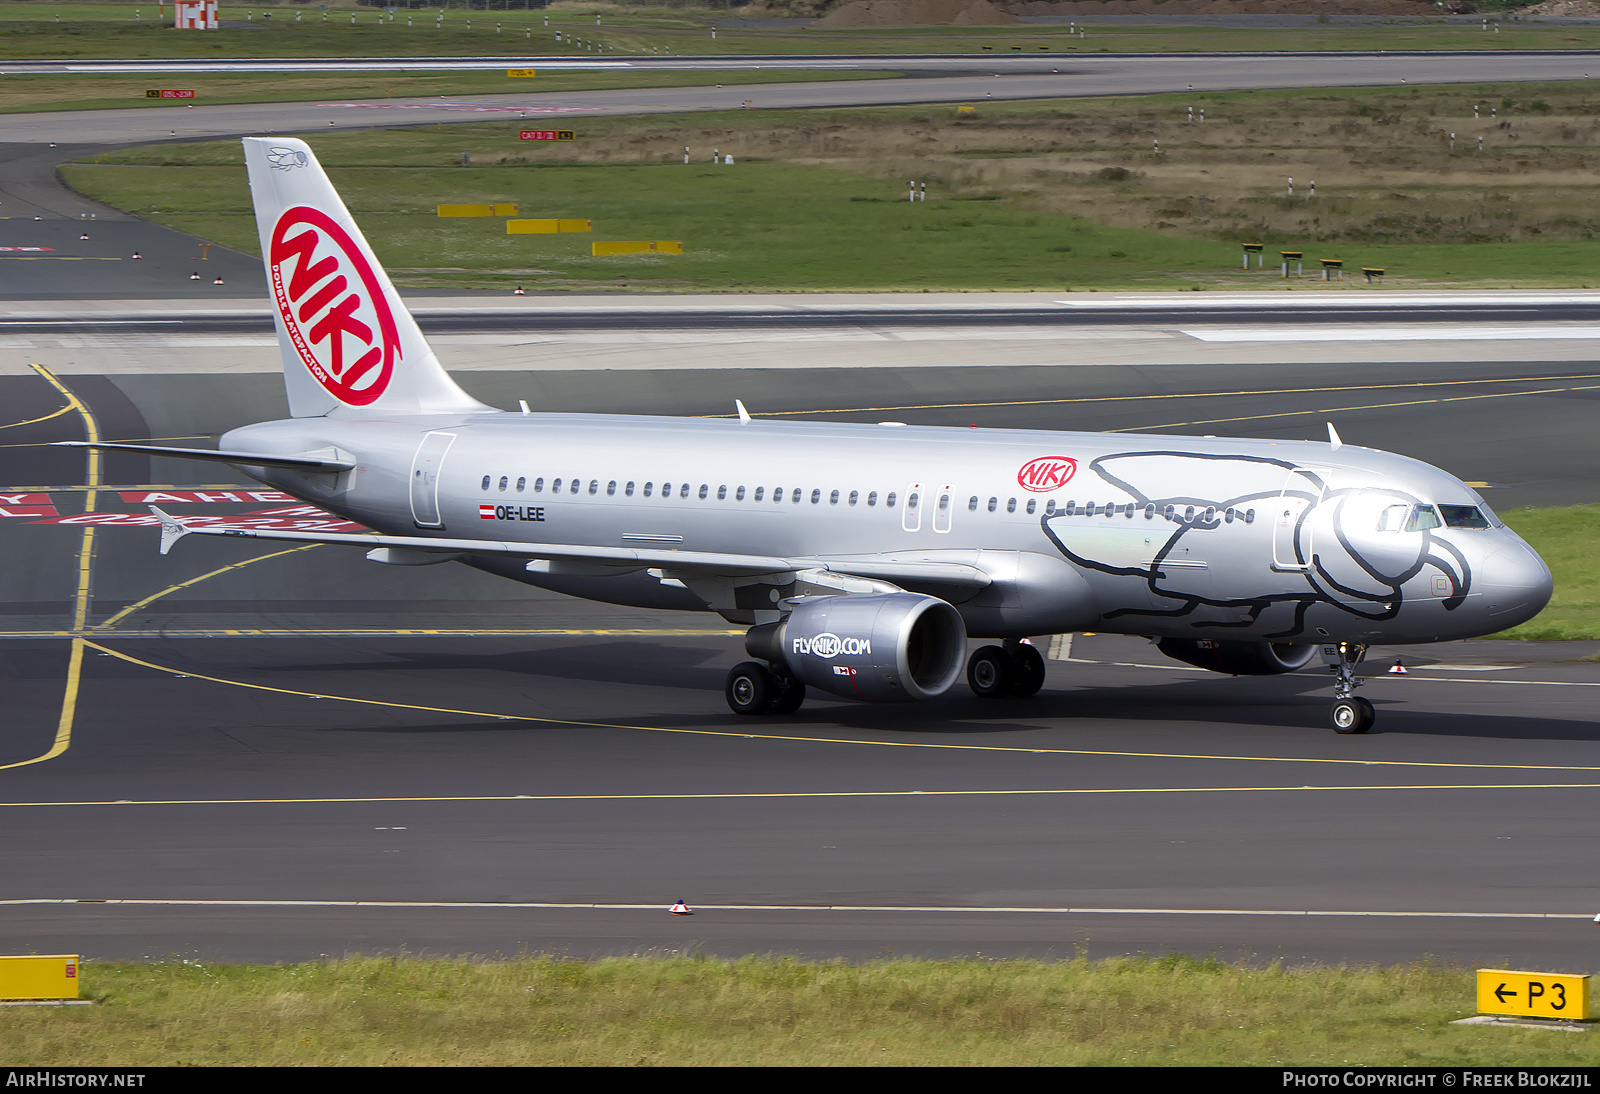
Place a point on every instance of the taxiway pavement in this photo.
(274, 755)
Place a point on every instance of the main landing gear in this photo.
(1350, 713)
(1014, 670)
(753, 688)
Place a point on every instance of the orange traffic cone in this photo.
(518, 291)
(194, 277)
(218, 281)
(1397, 669)
(681, 908)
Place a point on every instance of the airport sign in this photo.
(1533, 994)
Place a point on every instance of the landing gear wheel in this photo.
(1353, 715)
(750, 688)
(1029, 665)
(790, 694)
(991, 672)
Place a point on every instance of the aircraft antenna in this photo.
(1333, 436)
(744, 415)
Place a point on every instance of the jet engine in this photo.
(1239, 658)
(883, 648)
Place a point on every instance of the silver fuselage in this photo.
(1152, 535)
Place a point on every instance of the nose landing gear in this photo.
(1350, 713)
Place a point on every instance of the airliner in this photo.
(862, 558)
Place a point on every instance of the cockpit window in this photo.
(1408, 518)
(1463, 516)
(1422, 518)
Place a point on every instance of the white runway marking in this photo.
(929, 908)
(1428, 332)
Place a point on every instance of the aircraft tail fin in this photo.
(347, 341)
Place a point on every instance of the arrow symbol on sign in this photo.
(1500, 993)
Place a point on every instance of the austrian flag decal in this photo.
(485, 512)
(332, 306)
(1046, 473)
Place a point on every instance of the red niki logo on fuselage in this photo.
(332, 306)
(1046, 473)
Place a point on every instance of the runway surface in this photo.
(274, 754)
(1110, 74)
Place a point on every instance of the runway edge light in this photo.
(1533, 994)
(49, 977)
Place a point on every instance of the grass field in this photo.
(109, 30)
(1090, 193)
(676, 1011)
(1565, 539)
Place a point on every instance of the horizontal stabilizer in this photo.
(246, 459)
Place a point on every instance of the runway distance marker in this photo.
(902, 744)
(1533, 994)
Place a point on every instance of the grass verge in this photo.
(1089, 193)
(1565, 539)
(678, 1011)
(104, 30)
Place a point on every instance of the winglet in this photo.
(1333, 436)
(744, 415)
(171, 530)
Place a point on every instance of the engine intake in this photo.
(1238, 658)
(883, 648)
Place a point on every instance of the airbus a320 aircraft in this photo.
(862, 557)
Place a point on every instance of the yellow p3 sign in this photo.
(1533, 994)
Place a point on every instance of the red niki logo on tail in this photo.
(333, 306)
(1046, 473)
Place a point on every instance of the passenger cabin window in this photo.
(647, 488)
(486, 482)
(722, 493)
(628, 490)
(889, 501)
(759, 489)
(872, 498)
(611, 488)
(573, 486)
(522, 484)
(739, 494)
(854, 494)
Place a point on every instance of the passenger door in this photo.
(425, 468)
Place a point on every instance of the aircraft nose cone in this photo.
(1516, 584)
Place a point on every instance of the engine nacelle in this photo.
(883, 648)
(1239, 658)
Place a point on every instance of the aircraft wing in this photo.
(706, 562)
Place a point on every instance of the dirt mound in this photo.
(1234, 7)
(1565, 9)
(917, 13)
